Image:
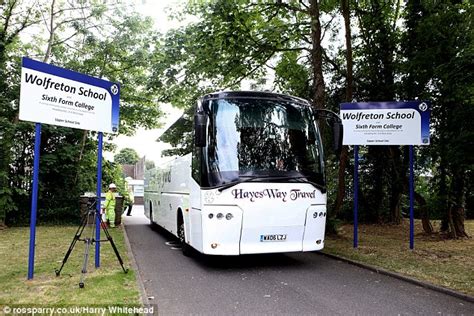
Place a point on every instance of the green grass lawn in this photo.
(108, 285)
(448, 263)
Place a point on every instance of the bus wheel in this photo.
(151, 218)
(152, 224)
(185, 248)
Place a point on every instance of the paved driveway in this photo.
(296, 283)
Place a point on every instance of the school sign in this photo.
(386, 123)
(57, 96)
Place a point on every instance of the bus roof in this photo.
(252, 94)
(184, 123)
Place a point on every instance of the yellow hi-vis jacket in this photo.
(131, 197)
(109, 201)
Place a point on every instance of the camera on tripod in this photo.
(90, 216)
(88, 204)
(91, 203)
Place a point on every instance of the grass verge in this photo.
(448, 263)
(105, 286)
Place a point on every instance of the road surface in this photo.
(296, 283)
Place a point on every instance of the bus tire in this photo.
(152, 224)
(185, 248)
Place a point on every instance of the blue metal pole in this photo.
(99, 187)
(34, 202)
(411, 185)
(356, 194)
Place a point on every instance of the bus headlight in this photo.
(220, 216)
(211, 215)
(229, 216)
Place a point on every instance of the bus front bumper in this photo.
(228, 233)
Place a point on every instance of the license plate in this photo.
(276, 237)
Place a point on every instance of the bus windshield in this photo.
(262, 138)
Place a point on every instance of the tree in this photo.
(149, 164)
(438, 30)
(127, 156)
(376, 66)
(179, 135)
(15, 19)
(381, 60)
(343, 160)
(232, 41)
(111, 42)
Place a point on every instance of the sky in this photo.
(144, 141)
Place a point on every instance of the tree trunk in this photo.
(346, 13)
(317, 55)
(51, 34)
(456, 212)
(396, 184)
(425, 218)
(443, 191)
(81, 153)
(377, 153)
(5, 159)
(341, 181)
(452, 229)
(419, 199)
(395, 200)
(341, 177)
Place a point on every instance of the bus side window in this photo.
(196, 165)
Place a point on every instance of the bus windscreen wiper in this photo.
(301, 179)
(231, 184)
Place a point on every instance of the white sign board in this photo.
(57, 96)
(386, 123)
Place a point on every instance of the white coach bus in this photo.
(254, 179)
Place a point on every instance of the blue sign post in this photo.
(411, 189)
(385, 123)
(99, 193)
(356, 195)
(34, 202)
(58, 96)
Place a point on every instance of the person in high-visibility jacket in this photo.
(130, 200)
(109, 205)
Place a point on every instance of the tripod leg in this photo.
(78, 234)
(86, 259)
(109, 238)
(89, 241)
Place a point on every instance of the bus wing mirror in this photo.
(338, 131)
(200, 130)
(337, 128)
